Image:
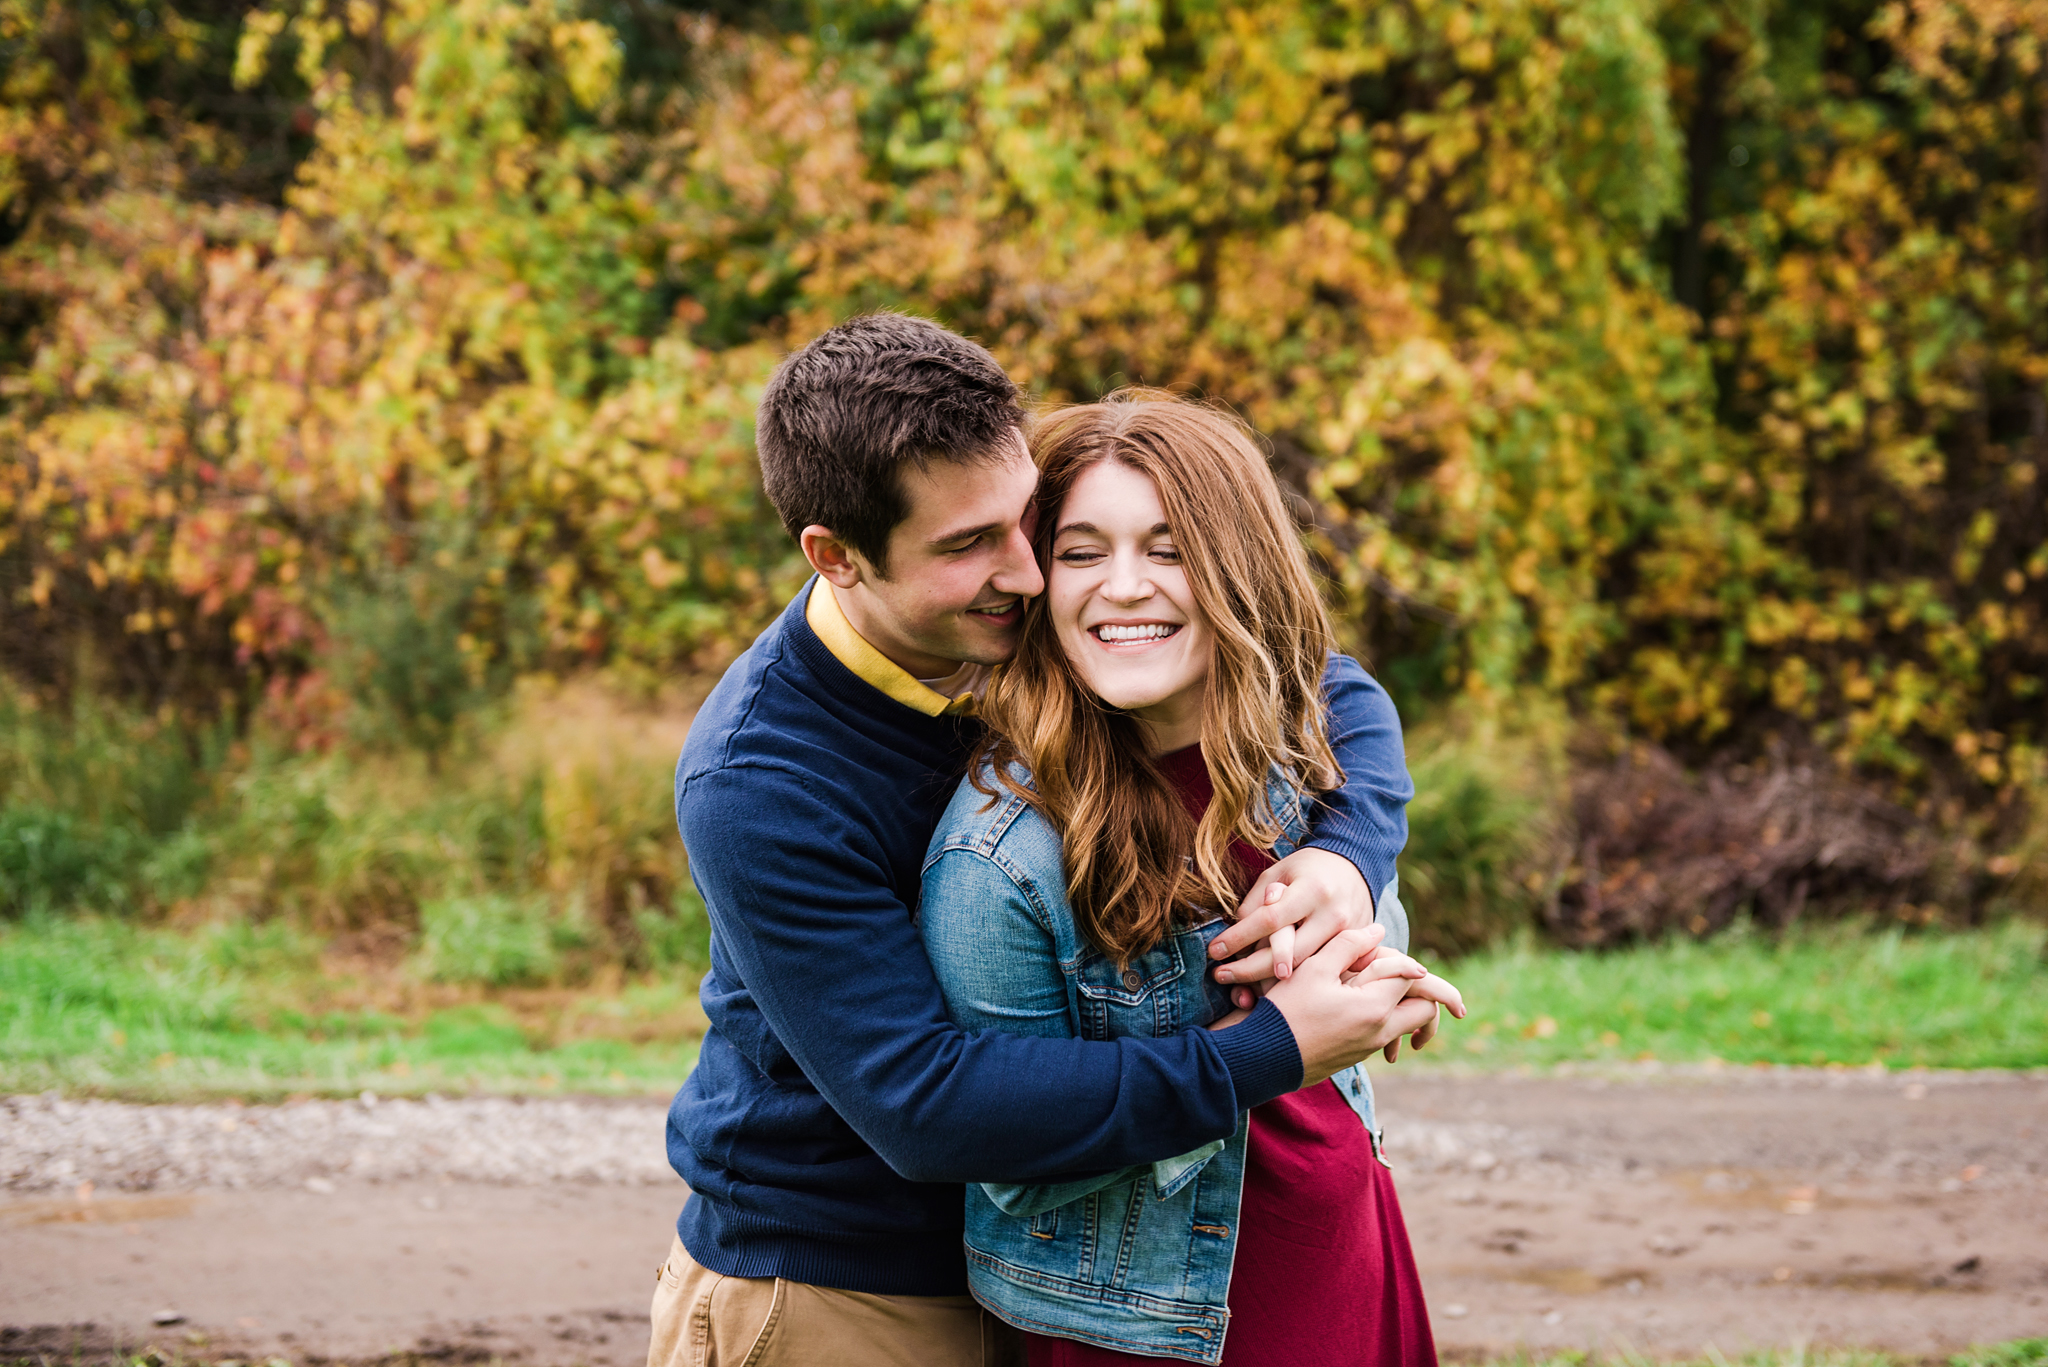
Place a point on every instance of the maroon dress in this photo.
(1323, 1275)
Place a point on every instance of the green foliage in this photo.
(1483, 835)
(1863, 551)
(395, 647)
(95, 805)
(540, 828)
(1681, 364)
(456, 334)
(1844, 995)
(494, 939)
(679, 937)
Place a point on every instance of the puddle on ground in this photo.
(1569, 1281)
(105, 1210)
(1580, 1281)
(1884, 1281)
(1583, 1281)
(1738, 1189)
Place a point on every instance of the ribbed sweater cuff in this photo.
(1260, 1053)
(1374, 859)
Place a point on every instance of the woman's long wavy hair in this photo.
(1126, 836)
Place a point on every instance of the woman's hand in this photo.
(1423, 986)
(1350, 1001)
(1293, 909)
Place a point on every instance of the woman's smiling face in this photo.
(1122, 607)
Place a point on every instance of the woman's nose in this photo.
(1127, 582)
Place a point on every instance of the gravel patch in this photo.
(48, 1143)
(1918, 1127)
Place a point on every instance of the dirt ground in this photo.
(1675, 1215)
(1663, 1213)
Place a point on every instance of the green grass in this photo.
(93, 1006)
(1837, 995)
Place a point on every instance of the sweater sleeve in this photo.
(999, 969)
(801, 906)
(1366, 820)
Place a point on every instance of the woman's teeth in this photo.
(1151, 631)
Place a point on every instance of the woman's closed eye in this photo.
(1090, 555)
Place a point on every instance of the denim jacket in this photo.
(1136, 1260)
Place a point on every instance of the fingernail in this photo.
(1223, 975)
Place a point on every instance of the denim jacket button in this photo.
(1133, 980)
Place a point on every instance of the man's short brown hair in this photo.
(844, 415)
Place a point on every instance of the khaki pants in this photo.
(703, 1319)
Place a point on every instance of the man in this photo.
(835, 1110)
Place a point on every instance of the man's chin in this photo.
(988, 644)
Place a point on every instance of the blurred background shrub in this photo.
(1662, 382)
(493, 938)
(1485, 832)
(534, 846)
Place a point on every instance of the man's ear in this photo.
(830, 557)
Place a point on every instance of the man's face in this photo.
(960, 567)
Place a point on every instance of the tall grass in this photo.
(97, 804)
(532, 844)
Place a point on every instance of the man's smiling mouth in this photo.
(1146, 631)
(999, 609)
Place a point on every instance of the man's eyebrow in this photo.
(963, 534)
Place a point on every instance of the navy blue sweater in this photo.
(834, 1109)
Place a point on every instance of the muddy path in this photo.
(1678, 1214)
(1666, 1213)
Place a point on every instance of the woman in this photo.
(1151, 745)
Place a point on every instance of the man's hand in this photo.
(1345, 1003)
(1296, 907)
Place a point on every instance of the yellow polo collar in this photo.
(871, 666)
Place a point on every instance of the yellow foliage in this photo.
(519, 298)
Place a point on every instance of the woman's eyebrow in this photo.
(1090, 529)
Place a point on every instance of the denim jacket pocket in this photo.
(1138, 999)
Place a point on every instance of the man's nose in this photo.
(1017, 572)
